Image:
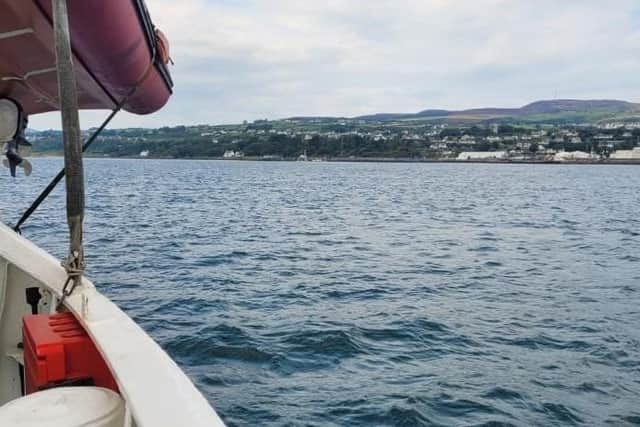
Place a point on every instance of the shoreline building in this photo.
(564, 156)
(230, 154)
(482, 155)
(626, 154)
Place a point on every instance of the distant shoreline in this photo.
(369, 160)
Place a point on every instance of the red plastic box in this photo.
(58, 352)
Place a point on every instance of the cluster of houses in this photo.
(549, 155)
(547, 144)
(436, 141)
(430, 135)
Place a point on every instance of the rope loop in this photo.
(74, 266)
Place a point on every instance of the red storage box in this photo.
(58, 352)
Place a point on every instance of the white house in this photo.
(230, 154)
(626, 154)
(481, 155)
(563, 156)
(467, 139)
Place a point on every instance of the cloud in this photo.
(248, 59)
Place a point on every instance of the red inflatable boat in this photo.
(116, 49)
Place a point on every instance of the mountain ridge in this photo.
(542, 107)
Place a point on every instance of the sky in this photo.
(241, 60)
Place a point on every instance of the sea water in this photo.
(353, 294)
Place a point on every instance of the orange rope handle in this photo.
(162, 44)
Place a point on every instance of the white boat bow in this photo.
(155, 390)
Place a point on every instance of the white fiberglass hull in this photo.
(155, 390)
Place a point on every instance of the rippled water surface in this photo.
(373, 294)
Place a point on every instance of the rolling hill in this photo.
(549, 111)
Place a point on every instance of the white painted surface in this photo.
(626, 154)
(8, 120)
(571, 155)
(15, 307)
(481, 155)
(68, 407)
(156, 390)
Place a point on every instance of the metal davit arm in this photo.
(74, 180)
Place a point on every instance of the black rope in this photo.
(55, 181)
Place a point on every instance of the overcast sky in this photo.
(247, 59)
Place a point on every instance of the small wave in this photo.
(357, 294)
(502, 393)
(619, 358)
(446, 405)
(306, 233)
(335, 343)
(541, 342)
(398, 416)
(483, 249)
(494, 424)
(187, 305)
(217, 342)
(240, 413)
(590, 388)
(630, 419)
(216, 260)
(201, 351)
(493, 264)
(561, 413)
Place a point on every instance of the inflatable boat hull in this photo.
(114, 51)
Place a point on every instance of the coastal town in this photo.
(323, 139)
